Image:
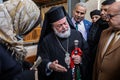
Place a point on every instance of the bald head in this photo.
(115, 7)
(114, 15)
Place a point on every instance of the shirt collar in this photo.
(75, 21)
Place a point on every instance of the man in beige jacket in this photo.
(107, 64)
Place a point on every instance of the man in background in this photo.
(99, 26)
(107, 63)
(96, 29)
(79, 21)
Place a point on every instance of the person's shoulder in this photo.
(106, 31)
(76, 35)
(75, 32)
(87, 21)
(49, 36)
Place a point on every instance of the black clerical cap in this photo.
(94, 12)
(55, 14)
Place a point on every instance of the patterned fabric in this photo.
(17, 17)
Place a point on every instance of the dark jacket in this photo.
(10, 69)
(8, 66)
(95, 33)
(87, 25)
(94, 37)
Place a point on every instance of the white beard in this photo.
(66, 34)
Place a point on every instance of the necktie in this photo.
(76, 26)
(115, 38)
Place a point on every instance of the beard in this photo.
(64, 34)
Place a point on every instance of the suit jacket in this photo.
(107, 67)
(87, 25)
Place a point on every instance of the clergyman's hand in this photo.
(77, 59)
(57, 67)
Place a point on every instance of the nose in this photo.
(79, 14)
(102, 12)
(63, 26)
(107, 19)
(94, 20)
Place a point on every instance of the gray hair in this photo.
(82, 4)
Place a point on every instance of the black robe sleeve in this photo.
(9, 68)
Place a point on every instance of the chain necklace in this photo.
(67, 55)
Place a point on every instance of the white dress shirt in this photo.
(81, 28)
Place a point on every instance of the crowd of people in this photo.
(70, 48)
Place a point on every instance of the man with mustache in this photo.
(96, 30)
(79, 20)
(56, 44)
(107, 62)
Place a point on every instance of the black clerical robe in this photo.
(50, 50)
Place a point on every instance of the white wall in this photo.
(91, 5)
(117, 0)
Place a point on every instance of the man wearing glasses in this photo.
(107, 63)
(96, 29)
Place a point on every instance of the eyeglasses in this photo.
(110, 15)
